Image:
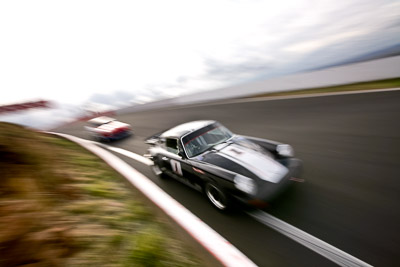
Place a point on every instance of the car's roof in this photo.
(101, 120)
(185, 128)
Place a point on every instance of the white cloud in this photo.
(309, 46)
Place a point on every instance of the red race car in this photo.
(108, 129)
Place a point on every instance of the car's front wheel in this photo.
(217, 196)
(157, 171)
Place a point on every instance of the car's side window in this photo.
(172, 145)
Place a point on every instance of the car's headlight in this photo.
(285, 150)
(245, 184)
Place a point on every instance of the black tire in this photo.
(217, 196)
(157, 171)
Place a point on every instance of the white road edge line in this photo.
(324, 249)
(274, 98)
(128, 153)
(328, 251)
(218, 246)
(270, 98)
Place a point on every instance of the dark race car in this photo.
(207, 156)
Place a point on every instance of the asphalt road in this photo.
(350, 146)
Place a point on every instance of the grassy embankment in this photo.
(381, 84)
(62, 206)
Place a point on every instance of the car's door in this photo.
(175, 163)
(170, 158)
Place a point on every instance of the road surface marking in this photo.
(270, 98)
(324, 249)
(274, 98)
(328, 251)
(129, 154)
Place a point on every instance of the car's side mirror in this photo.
(181, 154)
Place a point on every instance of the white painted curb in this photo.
(218, 246)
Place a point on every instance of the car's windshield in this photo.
(205, 138)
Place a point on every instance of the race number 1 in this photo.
(176, 167)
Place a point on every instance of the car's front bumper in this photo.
(267, 191)
(117, 136)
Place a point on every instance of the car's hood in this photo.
(246, 158)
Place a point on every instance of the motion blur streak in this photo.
(24, 106)
(330, 252)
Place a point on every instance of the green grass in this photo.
(381, 84)
(78, 210)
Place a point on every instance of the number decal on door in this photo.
(176, 167)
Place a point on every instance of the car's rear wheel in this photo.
(217, 196)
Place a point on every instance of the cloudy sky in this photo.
(73, 52)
